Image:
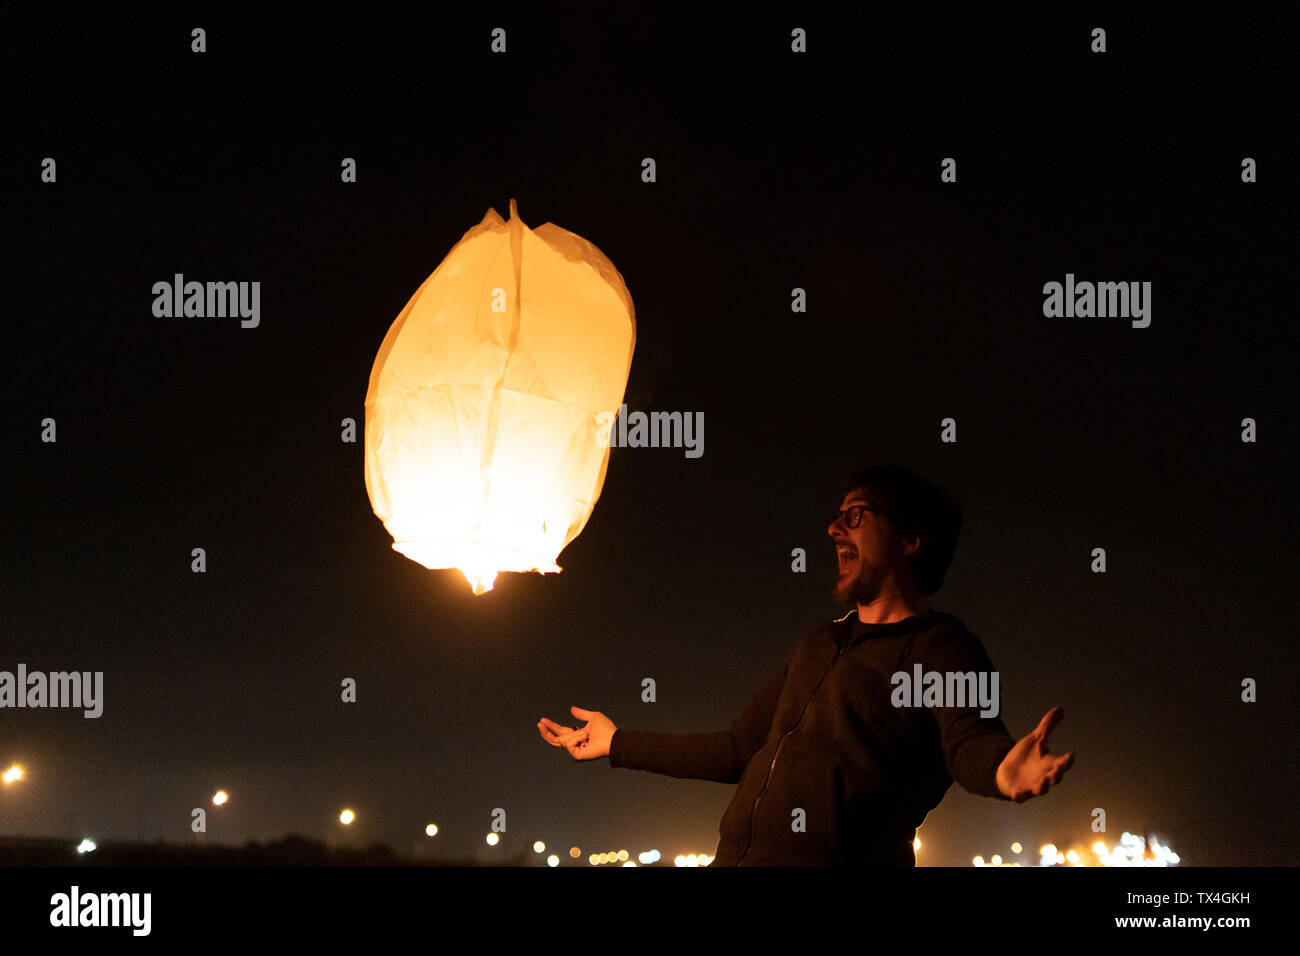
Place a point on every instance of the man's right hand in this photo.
(584, 743)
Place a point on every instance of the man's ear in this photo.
(911, 545)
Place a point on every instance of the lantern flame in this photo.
(480, 581)
(489, 398)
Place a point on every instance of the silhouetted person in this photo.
(835, 764)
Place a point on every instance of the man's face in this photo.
(866, 555)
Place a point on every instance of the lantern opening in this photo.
(478, 562)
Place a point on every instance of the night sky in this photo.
(775, 170)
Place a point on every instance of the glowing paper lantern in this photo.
(484, 424)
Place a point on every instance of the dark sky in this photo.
(775, 171)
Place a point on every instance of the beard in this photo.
(861, 588)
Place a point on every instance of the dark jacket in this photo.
(823, 736)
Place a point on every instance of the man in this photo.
(834, 766)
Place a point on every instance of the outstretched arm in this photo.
(720, 756)
(974, 745)
(1029, 769)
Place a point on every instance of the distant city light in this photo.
(916, 843)
(593, 859)
(1132, 850)
(431, 830)
(623, 855)
(552, 860)
(648, 857)
(539, 847)
(575, 852)
(493, 839)
(1016, 848)
(346, 817)
(997, 860)
(630, 863)
(220, 797)
(86, 846)
(13, 773)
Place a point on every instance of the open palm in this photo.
(1029, 769)
(584, 743)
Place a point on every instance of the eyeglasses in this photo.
(854, 514)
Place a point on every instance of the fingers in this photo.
(1049, 722)
(552, 732)
(576, 744)
(1052, 772)
(1053, 776)
(582, 714)
(570, 741)
(1062, 765)
(577, 749)
(548, 729)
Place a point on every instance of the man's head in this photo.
(905, 543)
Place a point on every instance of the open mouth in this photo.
(848, 559)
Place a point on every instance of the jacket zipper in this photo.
(753, 811)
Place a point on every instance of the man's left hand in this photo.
(1029, 769)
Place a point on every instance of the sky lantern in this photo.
(489, 397)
